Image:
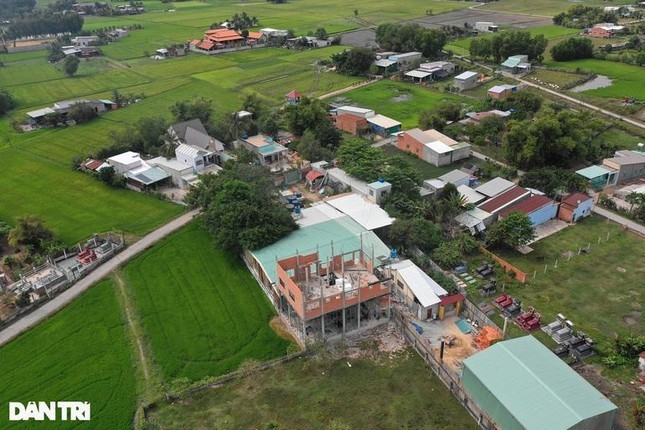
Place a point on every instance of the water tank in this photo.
(394, 254)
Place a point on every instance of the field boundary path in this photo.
(561, 95)
(627, 223)
(346, 89)
(62, 300)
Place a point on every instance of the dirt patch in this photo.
(471, 16)
(384, 340)
(401, 98)
(281, 329)
(634, 293)
(630, 320)
(609, 388)
(621, 269)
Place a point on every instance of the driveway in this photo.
(104, 270)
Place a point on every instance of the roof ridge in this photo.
(540, 380)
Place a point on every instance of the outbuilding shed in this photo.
(521, 385)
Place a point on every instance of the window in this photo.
(293, 297)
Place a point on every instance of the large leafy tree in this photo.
(7, 102)
(240, 209)
(553, 180)
(70, 65)
(365, 162)
(410, 37)
(30, 231)
(408, 234)
(512, 231)
(199, 108)
(354, 62)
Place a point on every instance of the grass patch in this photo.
(401, 101)
(628, 80)
(542, 7)
(202, 311)
(555, 77)
(598, 291)
(618, 138)
(401, 394)
(79, 354)
(425, 169)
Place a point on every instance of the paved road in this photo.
(62, 300)
(620, 220)
(562, 96)
(581, 103)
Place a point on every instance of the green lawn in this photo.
(617, 138)
(628, 80)
(400, 394)
(425, 169)
(601, 292)
(555, 77)
(399, 100)
(79, 354)
(202, 311)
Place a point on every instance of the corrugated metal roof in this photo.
(424, 288)
(383, 121)
(471, 196)
(494, 187)
(535, 386)
(466, 75)
(503, 200)
(593, 172)
(529, 205)
(418, 74)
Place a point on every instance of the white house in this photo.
(466, 80)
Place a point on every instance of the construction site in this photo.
(333, 297)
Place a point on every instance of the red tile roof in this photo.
(500, 201)
(93, 164)
(313, 175)
(254, 35)
(293, 95)
(527, 206)
(206, 45)
(223, 35)
(573, 199)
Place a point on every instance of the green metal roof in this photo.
(593, 172)
(344, 233)
(536, 388)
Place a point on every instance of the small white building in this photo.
(378, 190)
(405, 59)
(486, 27)
(422, 293)
(85, 41)
(466, 81)
(456, 177)
(354, 110)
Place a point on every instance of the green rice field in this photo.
(398, 100)
(542, 7)
(202, 311)
(79, 354)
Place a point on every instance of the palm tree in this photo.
(635, 198)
